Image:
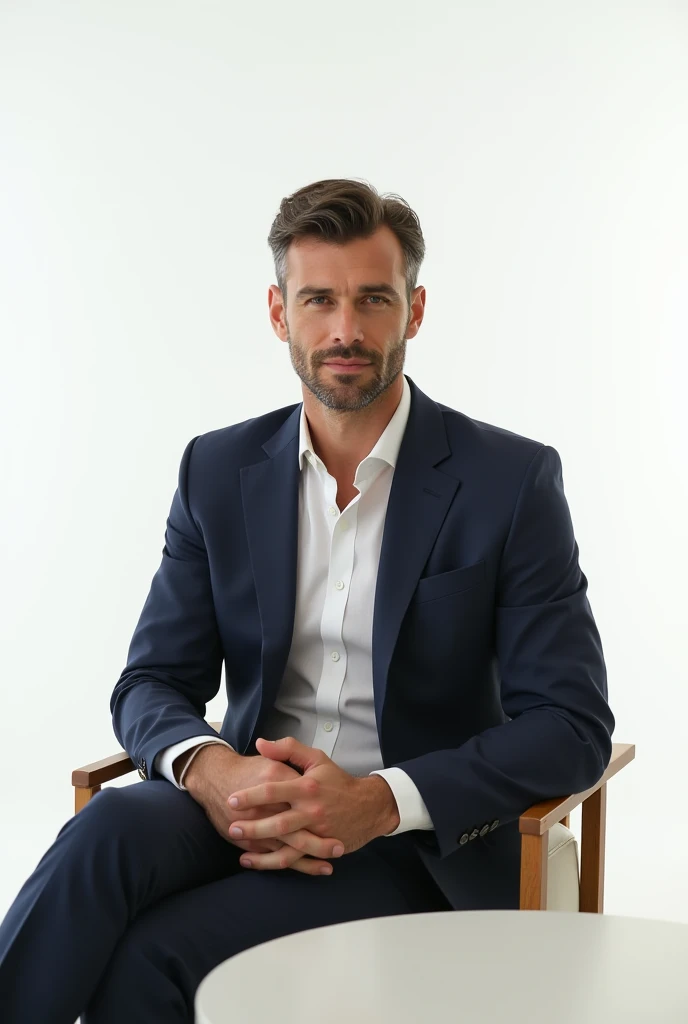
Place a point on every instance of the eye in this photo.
(381, 299)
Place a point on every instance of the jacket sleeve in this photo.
(174, 663)
(553, 680)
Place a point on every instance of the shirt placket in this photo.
(342, 528)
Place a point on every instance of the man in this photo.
(410, 655)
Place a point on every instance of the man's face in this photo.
(351, 321)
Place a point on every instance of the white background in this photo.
(144, 149)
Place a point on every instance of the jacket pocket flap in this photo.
(452, 582)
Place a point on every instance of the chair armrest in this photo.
(539, 818)
(98, 772)
(113, 767)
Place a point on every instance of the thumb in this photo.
(289, 749)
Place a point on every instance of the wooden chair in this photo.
(552, 876)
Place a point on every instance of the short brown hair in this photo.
(339, 210)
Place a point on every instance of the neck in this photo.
(343, 438)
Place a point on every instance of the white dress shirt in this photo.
(325, 699)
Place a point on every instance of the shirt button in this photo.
(328, 727)
(339, 585)
(334, 656)
(333, 511)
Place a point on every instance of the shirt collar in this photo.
(386, 447)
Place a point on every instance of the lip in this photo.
(346, 366)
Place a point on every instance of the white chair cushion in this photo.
(563, 886)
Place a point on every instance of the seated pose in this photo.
(411, 661)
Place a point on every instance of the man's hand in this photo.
(217, 771)
(325, 801)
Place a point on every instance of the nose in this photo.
(346, 326)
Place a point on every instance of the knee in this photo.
(106, 812)
(123, 812)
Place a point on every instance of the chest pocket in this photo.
(444, 584)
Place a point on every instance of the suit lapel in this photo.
(270, 497)
(419, 499)
(418, 502)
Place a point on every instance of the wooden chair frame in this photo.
(534, 825)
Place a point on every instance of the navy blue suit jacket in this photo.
(488, 673)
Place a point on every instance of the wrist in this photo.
(180, 762)
(202, 765)
(386, 812)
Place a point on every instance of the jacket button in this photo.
(494, 824)
(484, 830)
(464, 839)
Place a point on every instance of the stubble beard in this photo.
(343, 394)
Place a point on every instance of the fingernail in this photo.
(246, 863)
(234, 802)
(324, 870)
(338, 850)
(236, 832)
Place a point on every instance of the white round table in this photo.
(515, 966)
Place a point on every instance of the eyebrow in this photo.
(364, 289)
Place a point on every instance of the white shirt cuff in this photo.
(410, 804)
(164, 761)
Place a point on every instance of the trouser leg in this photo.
(127, 849)
(162, 958)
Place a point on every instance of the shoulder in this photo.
(240, 443)
(488, 448)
